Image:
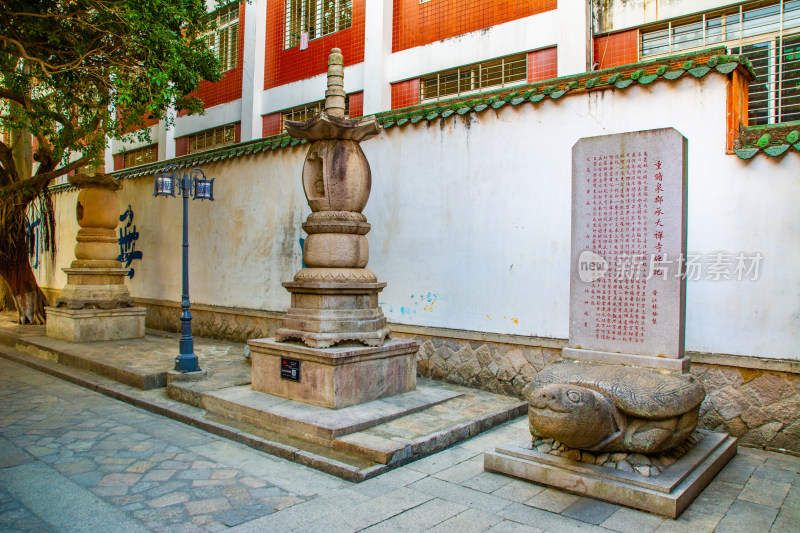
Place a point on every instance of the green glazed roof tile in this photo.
(699, 72)
(776, 149)
(746, 153)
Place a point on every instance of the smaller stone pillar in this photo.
(95, 304)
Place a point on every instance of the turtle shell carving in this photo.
(608, 408)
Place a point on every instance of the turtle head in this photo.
(577, 416)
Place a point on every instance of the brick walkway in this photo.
(74, 460)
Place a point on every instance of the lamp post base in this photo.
(175, 375)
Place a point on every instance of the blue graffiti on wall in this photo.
(33, 229)
(127, 241)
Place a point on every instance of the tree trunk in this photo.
(28, 297)
(6, 298)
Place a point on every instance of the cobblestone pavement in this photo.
(73, 460)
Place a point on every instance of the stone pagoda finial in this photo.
(334, 96)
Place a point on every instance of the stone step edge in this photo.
(116, 391)
(214, 403)
(30, 346)
(397, 453)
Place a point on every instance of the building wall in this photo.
(229, 87)
(285, 66)
(417, 23)
(621, 48)
(615, 15)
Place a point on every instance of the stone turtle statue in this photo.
(612, 408)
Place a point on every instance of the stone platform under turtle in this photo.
(666, 494)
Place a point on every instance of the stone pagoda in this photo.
(95, 304)
(335, 297)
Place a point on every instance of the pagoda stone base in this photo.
(325, 313)
(90, 325)
(667, 494)
(334, 377)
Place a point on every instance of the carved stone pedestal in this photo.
(90, 325)
(326, 313)
(334, 377)
(95, 304)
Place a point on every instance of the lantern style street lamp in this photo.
(190, 182)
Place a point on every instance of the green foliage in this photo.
(76, 71)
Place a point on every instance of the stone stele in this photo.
(95, 304)
(335, 297)
(627, 294)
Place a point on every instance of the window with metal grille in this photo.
(474, 78)
(213, 138)
(768, 33)
(307, 111)
(140, 156)
(223, 39)
(310, 19)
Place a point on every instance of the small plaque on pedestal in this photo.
(290, 369)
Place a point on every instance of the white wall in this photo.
(616, 15)
(474, 213)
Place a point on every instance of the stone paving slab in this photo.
(98, 465)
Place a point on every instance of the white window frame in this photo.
(307, 111)
(223, 39)
(312, 19)
(472, 74)
(775, 31)
(209, 139)
(140, 156)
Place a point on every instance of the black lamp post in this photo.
(200, 188)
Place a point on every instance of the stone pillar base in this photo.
(681, 365)
(334, 377)
(327, 313)
(90, 325)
